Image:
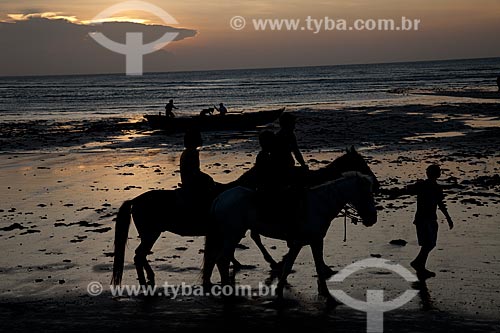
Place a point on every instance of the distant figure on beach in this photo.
(169, 107)
(222, 109)
(498, 83)
(429, 197)
(198, 184)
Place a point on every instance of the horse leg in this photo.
(326, 271)
(317, 251)
(208, 267)
(290, 257)
(211, 256)
(223, 266)
(147, 267)
(140, 259)
(236, 264)
(223, 263)
(256, 238)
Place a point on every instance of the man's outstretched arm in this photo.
(444, 209)
(395, 192)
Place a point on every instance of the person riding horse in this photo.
(157, 211)
(199, 187)
(279, 183)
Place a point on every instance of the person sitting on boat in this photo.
(169, 107)
(198, 185)
(207, 112)
(222, 109)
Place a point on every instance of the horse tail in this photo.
(121, 236)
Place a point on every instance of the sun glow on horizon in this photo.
(117, 19)
(73, 19)
(448, 29)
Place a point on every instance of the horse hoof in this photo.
(331, 302)
(281, 303)
(207, 287)
(327, 272)
(277, 303)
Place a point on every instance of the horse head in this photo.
(360, 196)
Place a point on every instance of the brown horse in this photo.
(157, 211)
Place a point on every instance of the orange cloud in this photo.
(46, 15)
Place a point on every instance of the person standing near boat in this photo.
(498, 83)
(169, 107)
(222, 109)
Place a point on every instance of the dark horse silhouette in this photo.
(235, 211)
(165, 210)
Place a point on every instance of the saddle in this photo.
(193, 202)
(193, 210)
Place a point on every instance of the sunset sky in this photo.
(450, 29)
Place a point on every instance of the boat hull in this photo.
(243, 121)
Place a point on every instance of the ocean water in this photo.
(94, 96)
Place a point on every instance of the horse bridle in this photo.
(350, 212)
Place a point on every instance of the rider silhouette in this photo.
(197, 184)
(266, 166)
(286, 143)
(270, 183)
(280, 185)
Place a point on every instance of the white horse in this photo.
(235, 213)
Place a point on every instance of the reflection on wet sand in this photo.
(426, 301)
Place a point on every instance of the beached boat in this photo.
(230, 121)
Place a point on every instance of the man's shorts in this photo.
(427, 233)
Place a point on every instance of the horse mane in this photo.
(326, 168)
(362, 176)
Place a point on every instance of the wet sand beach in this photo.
(62, 185)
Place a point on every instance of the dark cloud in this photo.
(41, 46)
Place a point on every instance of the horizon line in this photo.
(251, 68)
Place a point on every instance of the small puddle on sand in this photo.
(424, 136)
